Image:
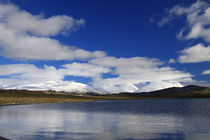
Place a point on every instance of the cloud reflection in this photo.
(48, 122)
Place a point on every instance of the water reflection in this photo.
(146, 119)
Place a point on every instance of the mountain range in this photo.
(190, 91)
(17, 96)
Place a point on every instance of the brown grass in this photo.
(9, 97)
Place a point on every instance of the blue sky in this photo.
(105, 45)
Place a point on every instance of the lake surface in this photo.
(158, 119)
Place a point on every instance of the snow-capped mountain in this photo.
(66, 86)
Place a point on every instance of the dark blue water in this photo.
(160, 119)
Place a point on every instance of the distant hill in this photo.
(190, 91)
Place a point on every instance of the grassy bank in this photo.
(11, 97)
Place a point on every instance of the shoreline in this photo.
(21, 97)
(8, 100)
(33, 103)
(94, 99)
(45, 103)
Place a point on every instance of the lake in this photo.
(158, 119)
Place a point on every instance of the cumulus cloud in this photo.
(21, 21)
(195, 54)
(21, 74)
(197, 17)
(86, 70)
(205, 72)
(26, 36)
(28, 76)
(130, 74)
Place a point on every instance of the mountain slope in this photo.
(190, 91)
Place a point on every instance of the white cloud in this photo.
(205, 72)
(130, 73)
(26, 36)
(197, 17)
(136, 61)
(85, 70)
(21, 21)
(171, 61)
(28, 76)
(195, 54)
(31, 72)
(10, 69)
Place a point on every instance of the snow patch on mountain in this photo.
(66, 86)
(157, 85)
